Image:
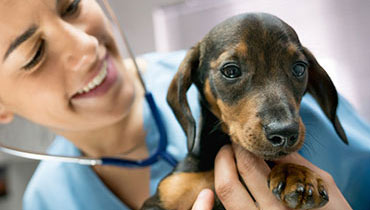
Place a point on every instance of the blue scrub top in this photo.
(61, 186)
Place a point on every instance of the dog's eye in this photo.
(231, 71)
(299, 69)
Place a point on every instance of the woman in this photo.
(61, 68)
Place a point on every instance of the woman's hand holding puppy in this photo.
(233, 160)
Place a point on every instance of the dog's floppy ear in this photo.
(176, 96)
(323, 90)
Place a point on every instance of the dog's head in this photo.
(252, 72)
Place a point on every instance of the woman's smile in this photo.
(96, 81)
(101, 82)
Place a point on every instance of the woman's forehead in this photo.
(14, 12)
(12, 6)
(16, 16)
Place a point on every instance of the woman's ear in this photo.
(6, 116)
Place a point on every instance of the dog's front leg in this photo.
(179, 190)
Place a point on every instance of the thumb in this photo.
(204, 200)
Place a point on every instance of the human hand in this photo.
(234, 161)
(204, 200)
(336, 198)
(254, 172)
(231, 192)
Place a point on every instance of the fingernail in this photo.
(203, 193)
(227, 147)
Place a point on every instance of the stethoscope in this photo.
(160, 152)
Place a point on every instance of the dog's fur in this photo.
(251, 72)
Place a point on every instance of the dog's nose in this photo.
(282, 134)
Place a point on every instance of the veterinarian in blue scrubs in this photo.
(61, 68)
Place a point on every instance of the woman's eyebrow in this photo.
(20, 39)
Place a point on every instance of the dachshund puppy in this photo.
(251, 72)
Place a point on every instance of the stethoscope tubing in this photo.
(41, 156)
(160, 153)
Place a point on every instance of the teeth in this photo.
(96, 81)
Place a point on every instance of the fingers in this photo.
(204, 200)
(337, 200)
(229, 189)
(296, 158)
(254, 172)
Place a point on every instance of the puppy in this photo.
(251, 72)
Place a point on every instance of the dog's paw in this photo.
(297, 186)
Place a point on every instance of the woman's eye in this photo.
(299, 69)
(37, 57)
(231, 71)
(71, 9)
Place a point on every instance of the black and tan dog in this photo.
(251, 72)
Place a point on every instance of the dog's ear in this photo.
(176, 96)
(323, 90)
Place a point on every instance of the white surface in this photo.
(135, 17)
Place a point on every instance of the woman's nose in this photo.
(80, 50)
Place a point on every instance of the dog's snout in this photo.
(282, 134)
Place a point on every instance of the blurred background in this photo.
(336, 31)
